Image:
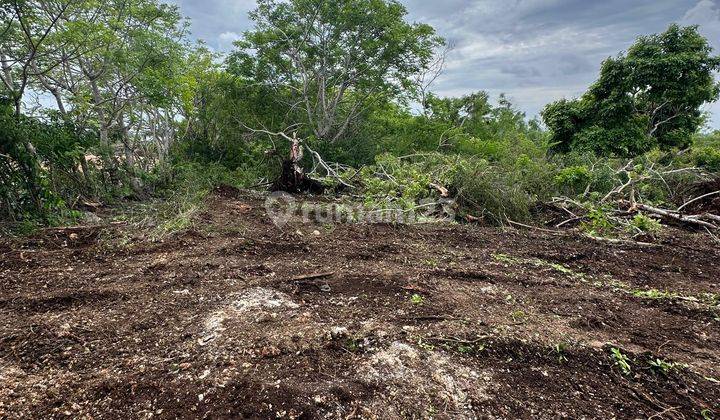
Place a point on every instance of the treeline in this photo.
(329, 95)
(93, 96)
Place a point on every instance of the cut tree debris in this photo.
(676, 216)
(313, 276)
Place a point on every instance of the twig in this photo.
(263, 184)
(313, 276)
(621, 241)
(696, 200)
(661, 413)
(574, 219)
(715, 238)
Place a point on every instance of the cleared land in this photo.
(238, 318)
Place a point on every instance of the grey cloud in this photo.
(536, 51)
(520, 70)
(575, 64)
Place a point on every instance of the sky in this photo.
(534, 51)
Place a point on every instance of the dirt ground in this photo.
(230, 320)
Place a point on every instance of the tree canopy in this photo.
(652, 96)
(327, 61)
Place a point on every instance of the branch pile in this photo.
(627, 199)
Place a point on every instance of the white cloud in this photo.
(705, 13)
(226, 39)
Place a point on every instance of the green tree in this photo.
(651, 96)
(118, 70)
(328, 61)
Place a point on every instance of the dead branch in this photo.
(621, 241)
(313, 276)
(442, 190)
(573, 219)
(710, 216)
(328, 169)
(675, 216)
(695, 200)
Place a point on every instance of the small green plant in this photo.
(620, 360)
(464, 349)
(644, 224)
(425, 345)
(707, 414)
(417, 299)
(518, 316)
(354, 345)
(665, 367)
(560, 351)
(431, 262)
(711, 299)
(507, 259)
(598, 223)
(653, 294)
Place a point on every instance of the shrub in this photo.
(644, 224)
(573, 179)
(598, 223)
(485, 191)
(494, 191)
(708, 158)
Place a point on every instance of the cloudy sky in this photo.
(535, 51)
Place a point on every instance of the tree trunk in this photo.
(97, 101)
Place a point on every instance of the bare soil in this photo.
(229, 320)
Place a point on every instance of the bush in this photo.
(644, 224)
(494, 191)
(597, 224)
(708, 158)
(573, 180)
(483, 190)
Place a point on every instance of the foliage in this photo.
(706, 151)
(493, 190)
(644, 224)
(621, 361)
(572, 180)
(332, 59)
(650, 97)
(29, 189)
(213, 135)
(598, 223)
(654, 294)
(417, 299)
(665, 367)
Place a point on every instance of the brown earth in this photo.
(429, 320)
